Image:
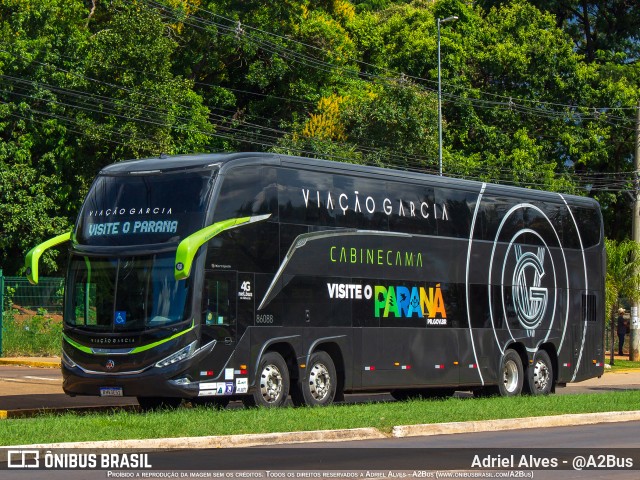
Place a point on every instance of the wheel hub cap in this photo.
(271, 383)
(319, 381)
(540, 376)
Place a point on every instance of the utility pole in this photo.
(634, 331)
(440, 21)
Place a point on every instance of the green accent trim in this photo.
(75, 344)
(142, 348)
(87, 286)
(33, 257)
(164, 340)
(188, 247)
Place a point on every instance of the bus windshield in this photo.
(114, 294)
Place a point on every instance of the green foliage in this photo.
(531, 94)
(623, 273)
(28, 212)
(39, 335)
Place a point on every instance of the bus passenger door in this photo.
(219, 312)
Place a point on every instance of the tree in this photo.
(622, 280)
(391, 123)
(600, 29)
(595, 133)
(80, 90)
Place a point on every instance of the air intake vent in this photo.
(589, 307)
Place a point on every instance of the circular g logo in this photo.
(529, 297)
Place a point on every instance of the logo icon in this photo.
(23, 459)
(120, 317)
(529, 297)
(110, 364)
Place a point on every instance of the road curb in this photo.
(513, 424)
(26, 362)
(226, 441)
(32, 412)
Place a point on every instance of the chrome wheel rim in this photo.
(541, 376)
(319, 382)
(510, 376)
(271, 383)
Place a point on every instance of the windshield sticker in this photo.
(139, 226)
(130, 211)
(120, 317)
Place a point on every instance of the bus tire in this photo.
(511, 374)
(540, 374)
(272, 386)
(148, 404)
(319, 388)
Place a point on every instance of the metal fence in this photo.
(29, 314)
(46, 297)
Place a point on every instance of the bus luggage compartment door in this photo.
(415, 357)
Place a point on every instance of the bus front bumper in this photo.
(153, 382)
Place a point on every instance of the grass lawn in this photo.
(623, 364)
(188, 422)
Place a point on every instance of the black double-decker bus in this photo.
(259, 276)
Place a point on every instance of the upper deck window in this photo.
(144, 209)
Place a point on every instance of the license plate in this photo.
(110, 391)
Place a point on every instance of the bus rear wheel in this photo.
(320, 387)
(158, 403)
(272, 387)
(512, 374)
(540, 377)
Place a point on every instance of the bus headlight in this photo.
(180, 355)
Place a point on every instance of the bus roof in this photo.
(167, 163)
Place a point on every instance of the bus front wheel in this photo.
(272, 384)
(512, 374)
(319, 388)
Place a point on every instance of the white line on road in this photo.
(49, 379)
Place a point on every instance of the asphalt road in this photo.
(451, 452)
